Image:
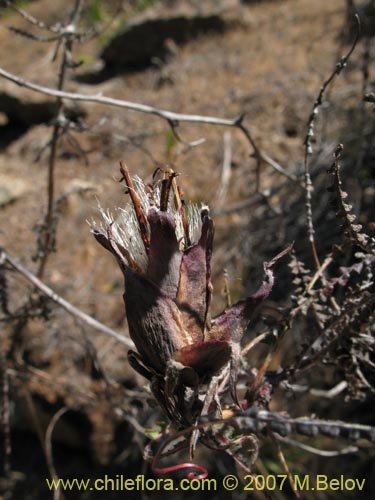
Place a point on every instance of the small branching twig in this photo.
(72, 310)
(308, 142)
(47, 236)
(31, 19)
(171, 117)
(363, 139)
(65, 34)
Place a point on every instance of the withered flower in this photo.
(164, 250)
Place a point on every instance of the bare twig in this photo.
(31, 19)
(171, 117)
(278, 168)
(5, 423)
(331, 393)
(236, 207)
(225, 168)
(48, 448)
(283, 462)
(341, 64)
(36, 38)
(319, 393)
(363, 140)
(100, 99)
(47, 233)
(316, 451)
(69, 308)
(259, 155)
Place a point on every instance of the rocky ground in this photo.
(265, 59)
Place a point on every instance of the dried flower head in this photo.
(164, 249)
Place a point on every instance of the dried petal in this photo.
(168, 295)
(164, 254)
(207, 358)
(154, 321)
(194, 290)
(231, 324)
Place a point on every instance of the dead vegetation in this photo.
(67, 390)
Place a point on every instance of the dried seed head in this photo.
(125, 229)
(164, 249)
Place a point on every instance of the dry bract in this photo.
(163, 247)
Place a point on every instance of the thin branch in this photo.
(177, 135)
(225, 168)
(236, 207)
(276, 166)
(32, 36)
(281, 457)
(31, 19)
(48, 448)
(260, 156)
(76, 12)
(319, 393)
(171, 117)
(69, 308)
(331, 393)
(6, 426)
(316, 451)
(341, 64)
(100, 99)
(47, 239)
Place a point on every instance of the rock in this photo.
(11, 188)
(152, 35)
